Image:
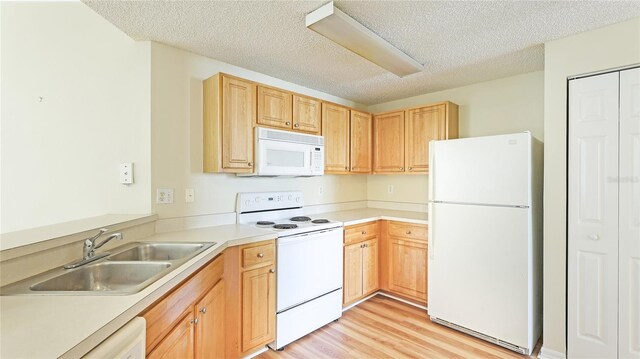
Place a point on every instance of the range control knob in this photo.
(290, 197)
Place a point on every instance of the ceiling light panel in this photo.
(342, 29)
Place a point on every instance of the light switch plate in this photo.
(126, 173)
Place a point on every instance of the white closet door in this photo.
(629, 214)
(593, 217)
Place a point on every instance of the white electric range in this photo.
(308, 262)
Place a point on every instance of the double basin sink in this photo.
(130, 269)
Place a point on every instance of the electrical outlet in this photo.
(164, 195)
(321, 190)
(189, 195)
(126, 173)
(390, 189)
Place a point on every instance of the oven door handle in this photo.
(304, 236)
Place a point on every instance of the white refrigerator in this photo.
(485, 238)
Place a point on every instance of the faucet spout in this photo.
(117, 236)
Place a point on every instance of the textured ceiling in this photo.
(460, 42)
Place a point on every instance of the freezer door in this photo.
(483, 170)
(480, 273)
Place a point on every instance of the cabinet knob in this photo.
(594, 237)
(362, 246)
(260, 255)
(346, 168)
(272, 270)
(366, 245)
(194, 321)
(250, 164)
(408, 232)
(296, 125)
(203, 310)
(364, 232)
(410, 168)
(401, 168)
(287, 123)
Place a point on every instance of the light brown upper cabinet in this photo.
(274, 108)
(229, 109)
(306, 114)
(401, 138)
(335, 129)
(360, 146)
(388, 142)
(425, 124)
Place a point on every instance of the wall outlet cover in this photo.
(164, 196)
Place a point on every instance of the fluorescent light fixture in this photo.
(342, 29)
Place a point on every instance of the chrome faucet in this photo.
(90, 246)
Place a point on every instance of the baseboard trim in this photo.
(386, 295)
(546, 353)
(256, 353)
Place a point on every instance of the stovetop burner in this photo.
(265, 223)
(285, 226)
(300, 219)
(320, 221)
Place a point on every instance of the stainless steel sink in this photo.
(105, 276)
(129, 270)
(158, 252)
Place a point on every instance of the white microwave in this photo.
(285, 153)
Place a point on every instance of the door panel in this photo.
(335, 129)
(274, 108)
(361, 132)
(238, 116)
(423, 125)
(352, 289)
(210, 328)
(408, 267)
(258, 307)
(629, 252)
(388, 142)
(592, 221)
(306, 114)
(465, 163)
(179, 342)
(370, 266)
(479, 271)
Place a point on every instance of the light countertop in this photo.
(363, 215)
(51, 326)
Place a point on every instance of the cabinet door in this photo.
(238, 116)
(423, 125)
(335, 129)
(179, 342)
(370, 267)
(258, 307)
(408, 268)
(361, 137)
(274, 108)
(306, 114)
(352, 286)
(210, 327)
(388, 142)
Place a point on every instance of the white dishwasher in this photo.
(127, 343)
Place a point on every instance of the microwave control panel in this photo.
(317, 160)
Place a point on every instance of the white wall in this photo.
(507, 105)
(176, 97)
(60, 156)
(605, 48)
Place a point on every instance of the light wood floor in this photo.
(386, 328)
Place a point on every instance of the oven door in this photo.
(276, 158)
(308, 266)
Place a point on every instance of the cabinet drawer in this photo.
(360, 232)
(407, 230)
(258, 255)
(163, 315)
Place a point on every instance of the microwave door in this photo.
(283, 159)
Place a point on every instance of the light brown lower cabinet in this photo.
(360, 262)
(187, 323)
(250, 298)
(404, 255)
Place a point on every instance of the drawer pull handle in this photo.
(260, 255)
(272, 270)
(203, 310)
(408, 232)
(364, 232)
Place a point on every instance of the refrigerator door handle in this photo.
(430, 247)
